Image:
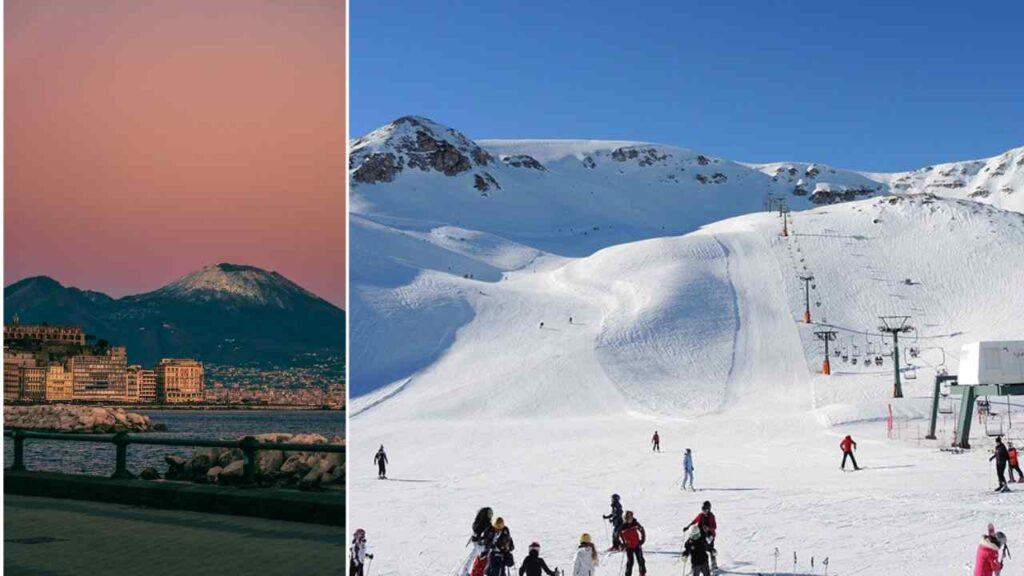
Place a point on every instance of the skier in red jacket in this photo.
(848, 446)
(706, 520)
(1014, 463)
(986, 561)
(633, 537)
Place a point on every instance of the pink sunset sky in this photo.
(145, 139)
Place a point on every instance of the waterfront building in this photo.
(100, 377)
(14, 362)
(43, 333)
(179, 380)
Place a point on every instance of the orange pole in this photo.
(826, 369)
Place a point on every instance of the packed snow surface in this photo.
(686, 317)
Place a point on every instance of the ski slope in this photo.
(686, 318)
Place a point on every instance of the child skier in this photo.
(381, 460)
(357, 553)
(616, 519)
(1014, 463)
(696, 548)
(656, 442)
(987, 561)
(688, 469)
(1002, 457)
(633, 537)
(709, 527)
(585, 561)
(848, 446)
(533, 564)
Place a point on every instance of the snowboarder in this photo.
(633, 537)
(381, 460)
(656, 442)
(709, 527)
(1014, 463)
(357, 553)
(848, 446)
(696, 547)
(987, 561)
(498, 541)
(533, 564)
(1002, 457)
(688, 469)
(616, 519)
(481, 525)
(586, 557)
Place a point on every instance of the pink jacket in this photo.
(986, 563)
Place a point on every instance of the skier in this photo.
(987, 561)
(586, 557)
(357, 553)
(541, 325)
(696, 547)
(709, 527)
(848, 446)
(499, 544)
(656, 442)
(633, 537)
(1014, 463)
(1001, 456)
(533, 564)
(688, 469)
(481, 525)
(616, 519)
(570, 319)
(381, 460)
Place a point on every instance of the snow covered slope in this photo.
(515, 347)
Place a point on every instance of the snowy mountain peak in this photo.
(414, 142)
(236, 282)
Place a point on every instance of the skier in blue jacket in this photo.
(688, 470)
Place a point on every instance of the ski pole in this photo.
(825, 562)
(775, 570)
(369, 562)
(794, 562)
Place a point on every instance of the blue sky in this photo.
(879, 86)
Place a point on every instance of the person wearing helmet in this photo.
(615, 517)
(696, 547)
(481, 525)
(633, 537)
(533, 564)
(986, 561)
(357, 553)
(585, 561)
(709, 527)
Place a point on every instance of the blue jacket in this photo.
(688, 463)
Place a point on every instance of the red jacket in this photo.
(847, 444)
(1013, 456)
(710, 526)
(633, 535)
(986, 563)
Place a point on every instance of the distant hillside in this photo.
(226, 313)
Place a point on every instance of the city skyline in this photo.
(146, 140)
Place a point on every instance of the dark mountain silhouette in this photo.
(226, 314)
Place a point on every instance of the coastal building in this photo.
(14, 362)
(100, 377)
(179, 380)
(43, 333)
(147, 384)
(57, 387)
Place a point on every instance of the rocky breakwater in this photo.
(300, 469)
(76, 419)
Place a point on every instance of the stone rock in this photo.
(149, 473)
(233, 471)
(78, 419)
(213, 474)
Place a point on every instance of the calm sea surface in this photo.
(89, 458)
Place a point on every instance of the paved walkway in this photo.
(51, 537)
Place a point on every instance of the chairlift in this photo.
(853, 360)
(911, 372)
(856, 351)
(984, 408)
(946, 404)
(994, 425)
(878, 360)
(914, 351)
(870, 347)
(846, 358)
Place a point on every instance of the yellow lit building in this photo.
(179, 380)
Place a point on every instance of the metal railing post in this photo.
(249, 445)
(121, 442)
(19, 451)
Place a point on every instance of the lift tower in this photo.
(895, 325)
(827, 336)
(807, 298)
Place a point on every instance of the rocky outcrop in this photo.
(378, 167)
(484, 182)
(644, 156)
(76, 419)
(523, 161)
(304, 469)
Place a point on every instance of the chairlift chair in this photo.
(994, 425)
(946, 405)
(911, 373)
(878, 360)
